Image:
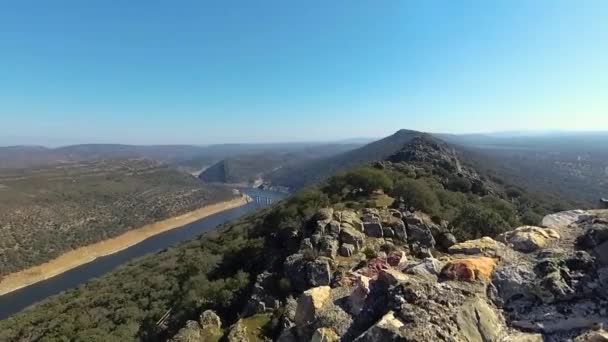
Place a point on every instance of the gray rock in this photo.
(349, 217)
(388, 232)
(388, 328)
(347, 250)
(420, 235)
(294, 269)
(333, 228)
(318, 272)
(446, 240)
(478, 322)
(373, 229)
(400, 230)
(352, 237)
(328, 247)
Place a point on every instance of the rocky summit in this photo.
(533, 284)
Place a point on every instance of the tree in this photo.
(368, 180)
(475, 221)
(417, 194)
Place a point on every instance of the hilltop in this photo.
(416, 246)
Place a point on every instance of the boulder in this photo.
(357, 298)
(324, 214)
(325, 335)
(328, 246)
(595, 235)
(192, 332)
(445, 240)
(294, 269)
(333, 228)
(470, 269)
(429, 268)
(392, 277)
(388, 232)
(352, 237)
(309, 304)
(373, 229)
(210, 320)
(421, 235)
(238, 333)
(349, 217)
(397, 259)
(373, 267)
(400, 230)
(562, 219)
(347, 250)
(477, 321)
(601, 253)
(261, 299)
(485, 245)
(388, 328)
(318, 272)
(528, 238)
(593, 336)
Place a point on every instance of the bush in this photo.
(417, 194)
(367, 179)
(475, 221)
(459, 184)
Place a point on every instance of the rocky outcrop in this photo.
(528, 238)
(208, 328)
(535, 284)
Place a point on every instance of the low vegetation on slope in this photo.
(151, 299)
(46, 212)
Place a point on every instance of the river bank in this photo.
(87, 254)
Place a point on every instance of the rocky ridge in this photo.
(379, 275)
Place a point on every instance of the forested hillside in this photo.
(45, 212)
(435, 201)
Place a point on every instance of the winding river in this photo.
(18, 300)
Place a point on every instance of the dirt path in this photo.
(86, 254)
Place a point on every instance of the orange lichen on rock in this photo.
(470, 269)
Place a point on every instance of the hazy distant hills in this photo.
(572, 165)
(248, 167)
(189, 156)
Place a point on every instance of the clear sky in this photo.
(200, 72)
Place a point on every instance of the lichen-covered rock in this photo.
(470, 269)
(351, 236)
(429, 268)
(445, 240)
(388, 328)
(261, 299)
(294, 269)
(328, 246)
(333, 228)
(309, 304)
(357, 298)
(349, 217)
(477, 321)
(347, 250)
(325, 335)
(485, 245)
(388, 232)
(238, 333)
(318, 272)
(420, 235)
(372, 227)
(593, 336)
(324, 214)
(399, 229)
(397, 259)
(528, 238)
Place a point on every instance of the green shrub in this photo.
(475, 221)
(417, 194)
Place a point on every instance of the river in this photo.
(18, 300)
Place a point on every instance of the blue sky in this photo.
(258, 71)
